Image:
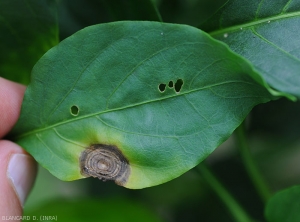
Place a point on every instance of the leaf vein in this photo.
(286, 6)
(237, 28)
(48, 148)
(140, 63)
(138, 104)
(258, 9)
(272, 44)
(79, 76)
(134, 133)
(67, 140)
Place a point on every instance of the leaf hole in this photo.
(171, 84)
(178, 85)
(74, 110)
(162, 87)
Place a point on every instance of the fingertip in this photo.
(17, 175)
(11, 96)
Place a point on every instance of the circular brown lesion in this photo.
(105, 162)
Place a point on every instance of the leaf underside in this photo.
(267, 34)
(166, 95)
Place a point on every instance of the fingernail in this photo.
(21, 171)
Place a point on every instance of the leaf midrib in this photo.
(253, 23)
(125, 107)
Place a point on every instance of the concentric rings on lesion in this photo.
(105, 162)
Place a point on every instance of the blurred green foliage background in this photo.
(273, 133)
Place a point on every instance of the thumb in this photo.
(17, 174)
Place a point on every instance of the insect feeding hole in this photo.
(74, 110)
(177, 86)
(162, 87)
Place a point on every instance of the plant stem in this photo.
(236, 210)
(251, 167)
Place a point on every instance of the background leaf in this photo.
(114, 73)
(189, 12)
(28, 28)
(284, 206)
(267, 34)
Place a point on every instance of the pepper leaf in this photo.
(267, 34)
(164, 95)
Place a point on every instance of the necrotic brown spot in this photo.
(105, 162)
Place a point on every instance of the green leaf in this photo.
(80, 210)
(27, 30)
(267, 34)
(188, 12)
(284, 206)
(164, 95)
